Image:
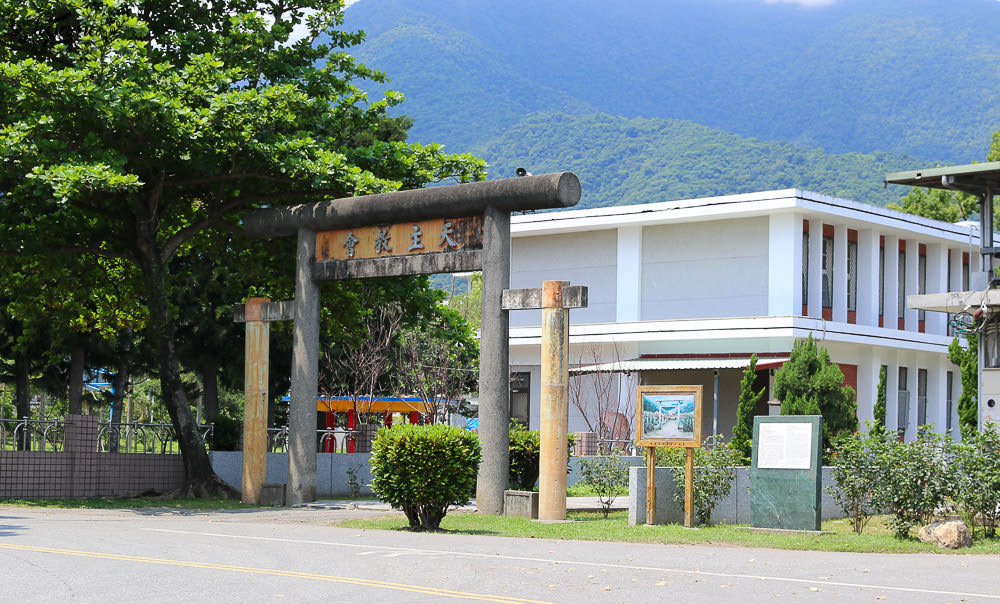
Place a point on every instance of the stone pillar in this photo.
(305, 372)
(554, 403)
(494, 369)
(255, 380)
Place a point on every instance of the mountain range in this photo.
(649, 100)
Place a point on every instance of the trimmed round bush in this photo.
(424, 470)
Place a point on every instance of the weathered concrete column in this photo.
(305, 369)
(554, 404)
(494, 370)
(255, 406)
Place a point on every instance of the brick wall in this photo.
(850, 375)
(80, 471)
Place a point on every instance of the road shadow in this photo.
(168, 511)
(10, 530)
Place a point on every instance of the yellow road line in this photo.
(434, 591)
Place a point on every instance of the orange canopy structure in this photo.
(379, 404)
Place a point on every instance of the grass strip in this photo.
(592, 526)
(129, 503)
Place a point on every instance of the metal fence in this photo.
(144, 438)
(31, 434)
(330, 440)
(48, 435)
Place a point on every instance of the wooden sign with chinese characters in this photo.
(443, 245)
(403, 239)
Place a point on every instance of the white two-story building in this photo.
(684, 292)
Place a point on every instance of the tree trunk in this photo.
(119, 384)
(200, 478)
(210, 388)
(76, 379)
(22, 394)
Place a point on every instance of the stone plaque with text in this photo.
(785, 473)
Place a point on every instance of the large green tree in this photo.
(809, 383)
(130, 128)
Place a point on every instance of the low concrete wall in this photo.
(574, 466)
(732, 509)
(331, 471)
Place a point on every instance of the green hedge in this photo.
(423, 470)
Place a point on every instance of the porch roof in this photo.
(660, 364)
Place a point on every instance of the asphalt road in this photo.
(296, 556)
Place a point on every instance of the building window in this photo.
(881, 282)
(852, 276)
(949, 401)
(805, 268)
(921, 397)
(520, 397)
(922, 283)
(827, 272)
(901, 294)
(903, 402)
(965, 271)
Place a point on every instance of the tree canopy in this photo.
(809, 383)
(132, 130)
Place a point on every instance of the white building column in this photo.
(912, 268)
(840, 273)
(956, 280)
(629, 274)
(815, 301)
(936, 392)
(784, 257)
(937, 283)
(868, 385)
(909, 360)
(868, 285)
(891, 284)
(891, 389)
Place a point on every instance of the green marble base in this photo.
(785, 476)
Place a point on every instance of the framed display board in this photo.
(668, 416)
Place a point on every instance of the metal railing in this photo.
(31, 434)
(136, 437)
(330, 440)
(49, 435)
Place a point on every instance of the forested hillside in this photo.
(626, 161)
(910, 78)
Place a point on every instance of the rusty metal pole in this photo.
(555, 403)
(255, 406)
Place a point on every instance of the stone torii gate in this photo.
(331, 235)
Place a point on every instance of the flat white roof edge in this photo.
(753, 204)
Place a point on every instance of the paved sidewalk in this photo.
(572, 503)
